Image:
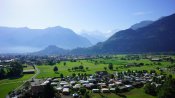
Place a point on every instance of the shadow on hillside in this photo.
(11, 78)
(123, 96)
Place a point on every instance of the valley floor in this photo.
(90, 67)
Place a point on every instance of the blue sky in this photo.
(91, 15)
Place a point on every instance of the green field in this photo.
(47, 70)
(7, 85)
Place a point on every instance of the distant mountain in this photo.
(158, 36)
(51, 50)
(141, 24)
(94, 36)
(12, 39)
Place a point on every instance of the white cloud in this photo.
(141, 13)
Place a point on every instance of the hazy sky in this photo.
(102, 15)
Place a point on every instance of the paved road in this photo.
(33, 77)
(37, 72)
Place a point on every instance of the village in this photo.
(100, 82)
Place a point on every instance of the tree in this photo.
(112, 76)
(69, 69)
(75, 68)
(86, 95)
(15, 70)
(105, 68)
(64, 63)
(150, 89)
(61, 75)
(2, 73)
(168, 89)
(81, 67)
(55, 69)
(51, 62)
(116, 68)
(87, 68)
(82, 91)
(73, 75)
(117, 90)
(110, 66)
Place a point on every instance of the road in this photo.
(37, 72)
(33, 77)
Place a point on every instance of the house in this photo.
(72, 82)
(156, 59)
(59, 89)
(118, 83)
(123, 88)
(92, 80)
(1, 66)
(54, 83)
(77, 86)
(105, 90)
(128, 86)
(45, 82)
(32, 71)
(84, 82)
(66, 86)
(66, 91)
(36, 86)
(87, 85)
(95, 90)
(102, 73)
(137, 84)
(112, 90)
(62, 83)
(55, 80)
(111, 85)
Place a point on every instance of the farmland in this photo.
(98, 64)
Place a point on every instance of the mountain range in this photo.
(21, 39)
(153, 37)
(141, 24)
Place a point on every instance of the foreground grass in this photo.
(134, 93)
(7, 85)
(6, 88)
(137, 93)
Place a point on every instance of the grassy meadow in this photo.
(98, 65)
(7, 85)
